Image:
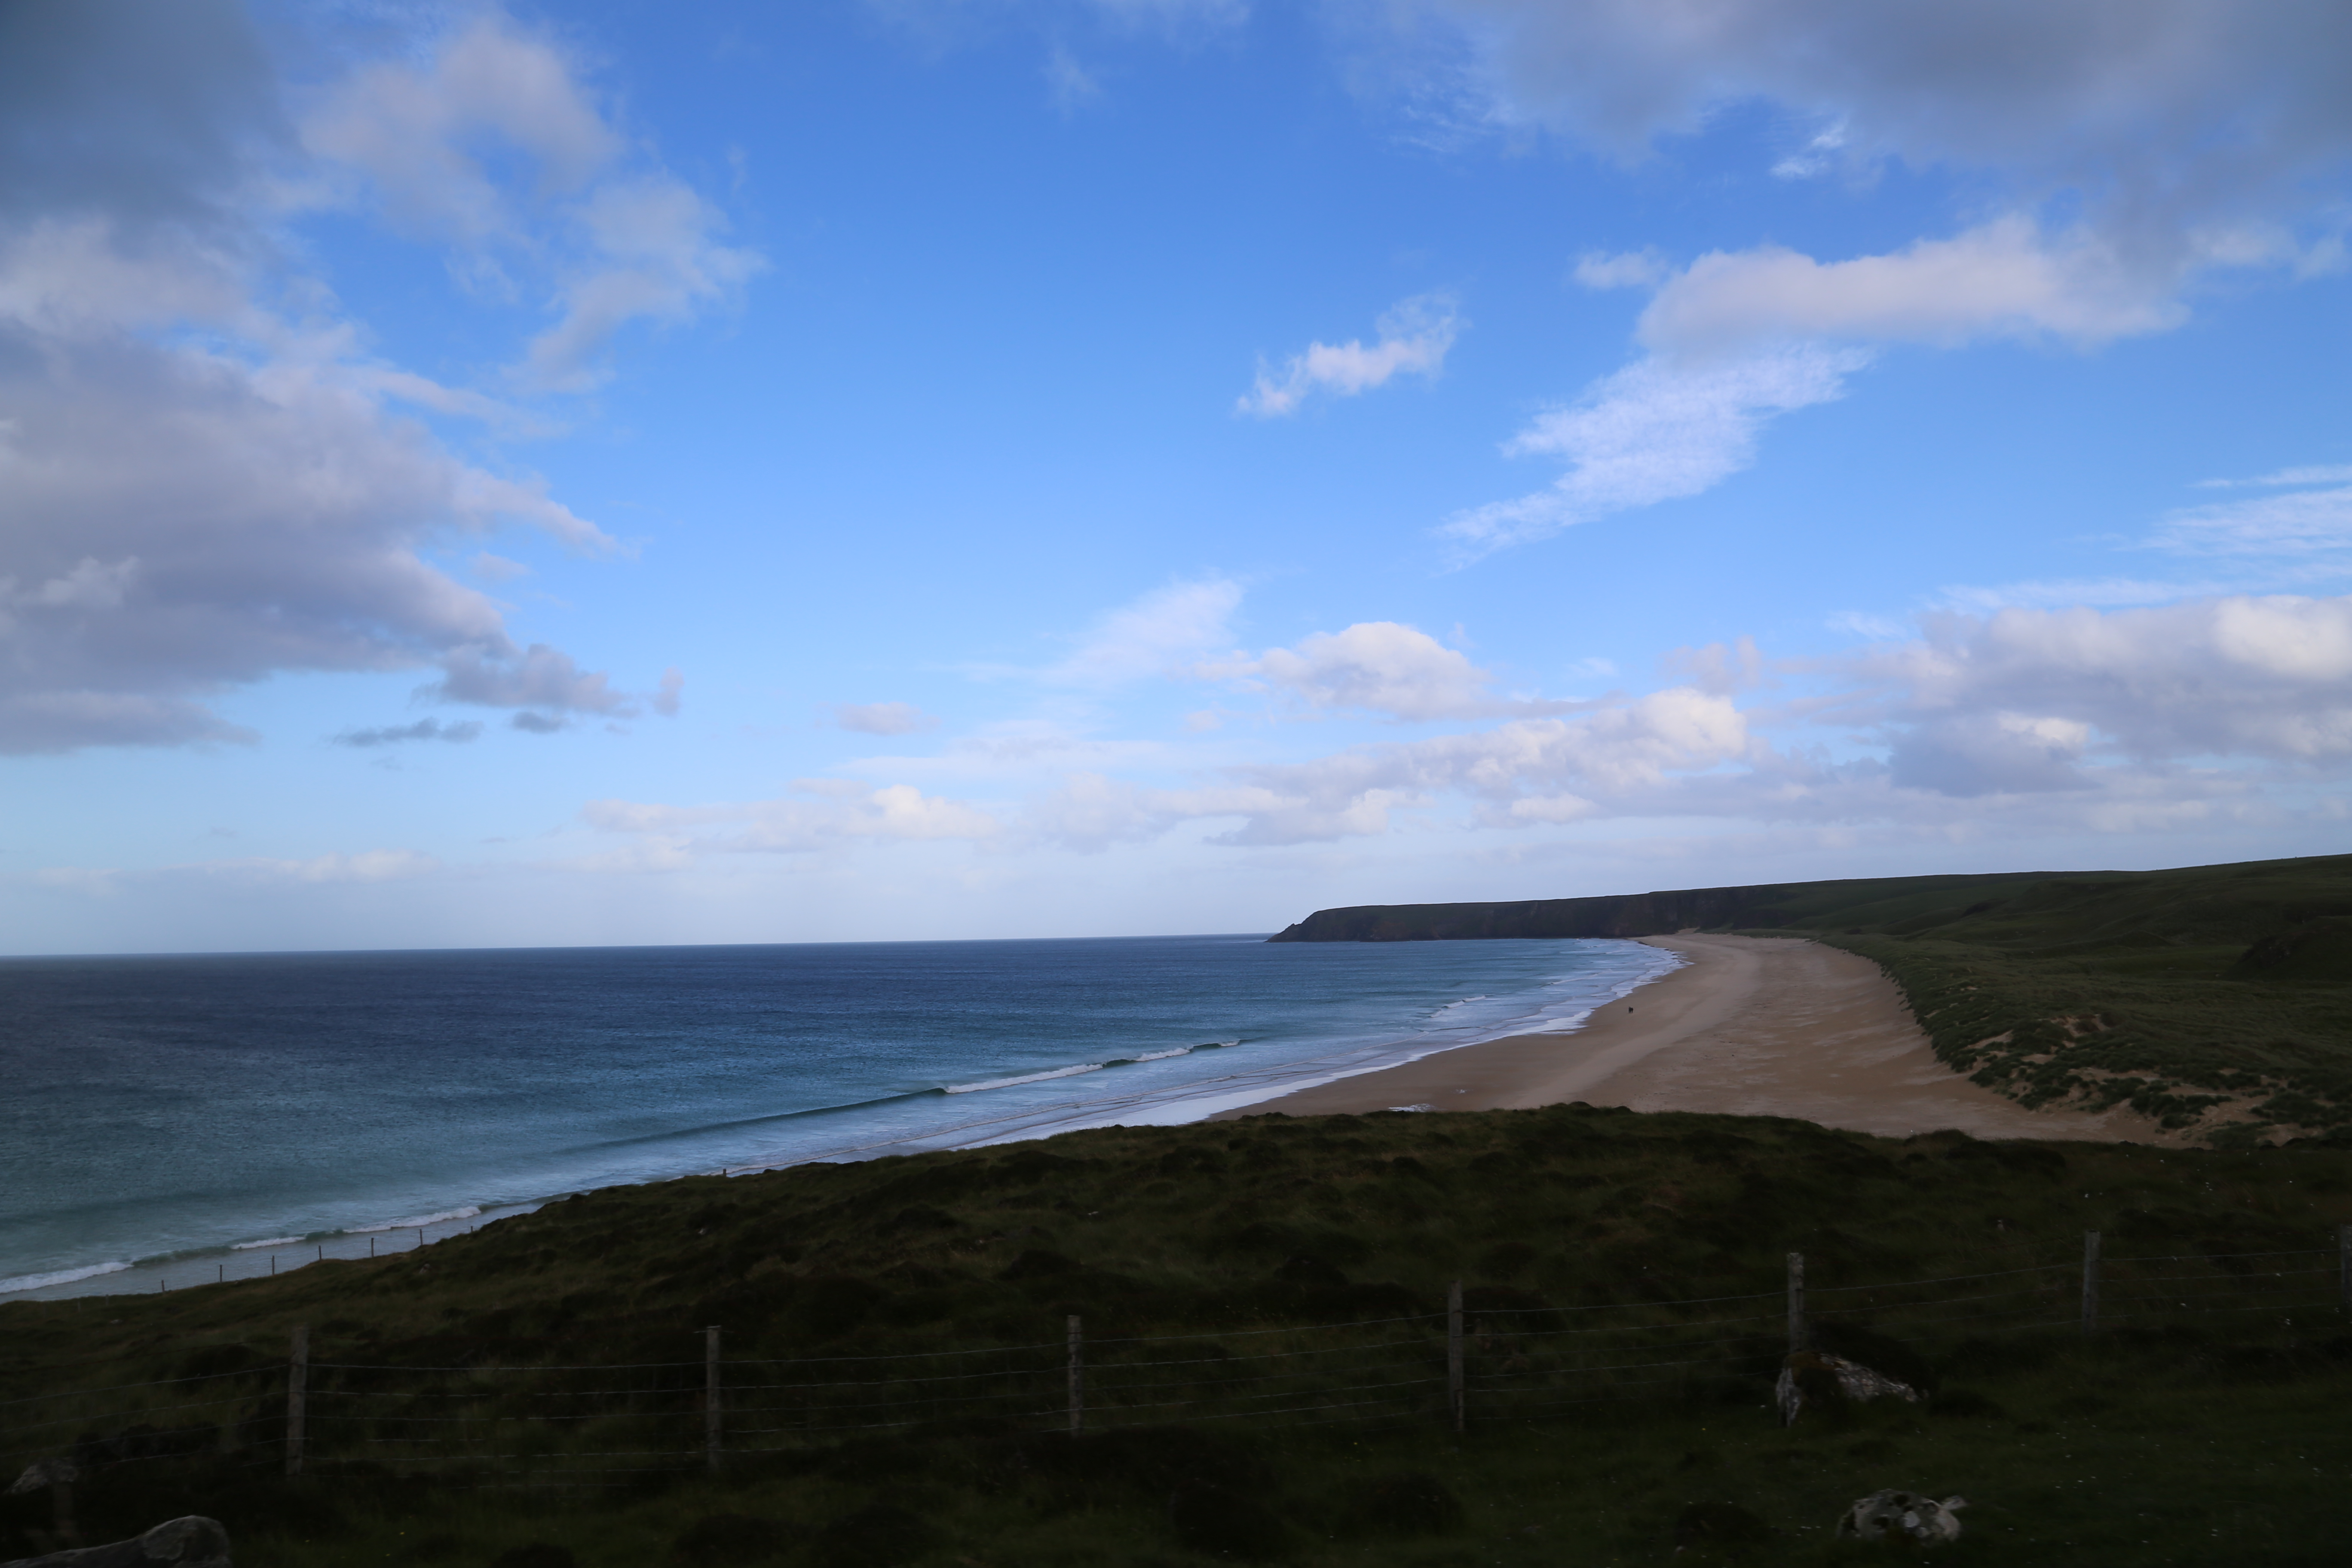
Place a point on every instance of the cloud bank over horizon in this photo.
(1508, 448)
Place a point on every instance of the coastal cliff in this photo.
(1767, 906)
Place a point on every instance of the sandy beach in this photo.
(1749, 1026)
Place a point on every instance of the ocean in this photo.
(172, 1120)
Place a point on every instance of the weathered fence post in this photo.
(2090, 1281)
(1796, 1302)
(1456, 1396)
(1077, 1376)
(711, 1405)
(298, 1378)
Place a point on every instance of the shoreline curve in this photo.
(1746, 1026)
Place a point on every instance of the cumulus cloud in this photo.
(423, 729)
(1415, 336)
(1658, 431)
(2077, 720)
(202, 489)
(882, 718)
(2238, 677)
(1378, 666)
(2004, 278)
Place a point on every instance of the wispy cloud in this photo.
(882, 718)
(1658, 431)
(423, 729)
(1415, 336)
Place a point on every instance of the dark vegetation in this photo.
(2217, 998)
(2202, 1425)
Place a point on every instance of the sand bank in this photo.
(1749, 1026)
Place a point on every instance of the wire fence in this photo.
(1494, 1354)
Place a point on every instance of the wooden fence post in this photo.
(711, 1405)
(298, 1378)
(1797, 1332)
(1077, 1376)
(1456, 1396)
(2090, 1281)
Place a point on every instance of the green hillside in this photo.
(2217, 998)
(1266, 1359)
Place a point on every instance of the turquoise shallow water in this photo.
(165, 1115)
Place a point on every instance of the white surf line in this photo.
(1025, 1077)
(59, 1276)
(1181, 1095)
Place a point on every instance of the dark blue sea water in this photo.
(169, 1120)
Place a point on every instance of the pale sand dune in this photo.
(1751, 1026)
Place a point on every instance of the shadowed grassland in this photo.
(2217, 999)
(466, 1398)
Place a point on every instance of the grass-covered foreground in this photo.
(1230, 1415)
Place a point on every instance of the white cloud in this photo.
(2300, 522)
(1415, 336)
(821, 812)
(1657, 430)
(655, 258)
(882, 718)
(412, 130)
(2264, 679)
(2024, 721)
(669, 696)
(204, 487)
(1161, 633)
(1815, 158)
(367, 866)
(641, 245)
(2005, 278)
(1643, 269)
(2124, 151)
(1379, 666)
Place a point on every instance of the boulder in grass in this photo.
(1812, 1380)
(194, 1541)
(1905, 1517)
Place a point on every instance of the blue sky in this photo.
(911, 468)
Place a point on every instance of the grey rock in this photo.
(42, 1473)
(194, 1541)
(1810, 1377)
(1902, 1516)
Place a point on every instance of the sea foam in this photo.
(62, 1276)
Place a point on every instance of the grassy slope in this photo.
(2217, 998)
(2217, 1438)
